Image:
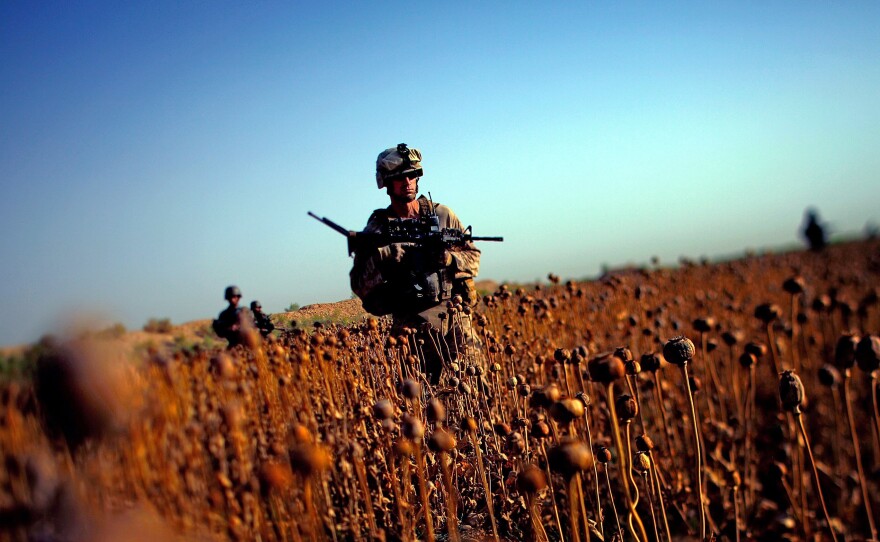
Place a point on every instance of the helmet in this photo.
(230, 292)
(255, 305)
(395, 162)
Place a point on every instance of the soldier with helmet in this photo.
(411, 282)
(261, 319)
(228, 324)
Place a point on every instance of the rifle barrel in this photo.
(331, 224)
(498, 239)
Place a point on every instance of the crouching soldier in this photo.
(261, 319)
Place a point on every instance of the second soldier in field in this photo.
(261, 319)
(414, 282)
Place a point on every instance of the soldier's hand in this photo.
(444, 258)
(394, 252)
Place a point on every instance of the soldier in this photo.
(261, 319)
(411, 282)
(813, 230)
(228, 324)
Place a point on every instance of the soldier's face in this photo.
(404, 189)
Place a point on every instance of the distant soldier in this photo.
(813, 231)
(411, 282)
(228, 324)
(261, 319)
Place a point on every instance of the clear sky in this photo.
(151, 153)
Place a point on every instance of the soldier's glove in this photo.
(393, 252)
(467, 290)
(444, 258)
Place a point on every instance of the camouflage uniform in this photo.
(377, 282)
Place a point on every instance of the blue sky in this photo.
(153, 153)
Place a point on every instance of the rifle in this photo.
(421, 231)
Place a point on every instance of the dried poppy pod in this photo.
(747, 360)
(524, 390)
(602, 453)
(679, 350)
(540, 430)
(569, 458)
(469, 424)
(299, 433)
(829, 375)
(632, 367)
(521, 423)
(566, 411)
(731, 338)
(584, 398)
(83, 391)
(606, 368)
(410, 389)
(768, 312)
(441, 441)
(868, 353)
(383, 409)
(641, 462)
(562, 355)
(233, 415)
(794, 285)
(501, 429)
(402, 447)
(515, 443)
(821, 304)
(626, 406)
(222, 364)
(623, 353)
(412, 428)
(651, 362)
(309, 459)
(791, 391)
(275, 477)
(704, 324)
(845, 351)
(756, 349)
(531, 480)
(435, 411)
(644, 443)
(546, 396)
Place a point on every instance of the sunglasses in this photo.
(410, 174)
